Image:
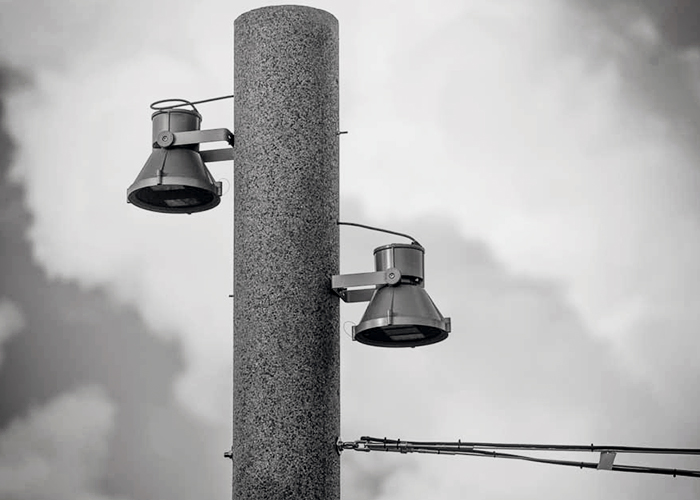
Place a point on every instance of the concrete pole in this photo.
(286, 396)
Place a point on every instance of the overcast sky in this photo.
(550, 151)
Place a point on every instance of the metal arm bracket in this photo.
(168, 139)
(211, 155)
(359, 287)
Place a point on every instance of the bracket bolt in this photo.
(392, 276)
(166, 138)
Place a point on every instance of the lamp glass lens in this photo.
(400, 333)
(182, 202)
(167, 187)
(174, 196)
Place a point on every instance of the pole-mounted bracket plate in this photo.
(359, 287)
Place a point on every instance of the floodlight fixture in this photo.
(175, 178)
(400, 312)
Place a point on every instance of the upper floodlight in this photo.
(175, 179)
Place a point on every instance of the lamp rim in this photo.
(364, 339)
(168, 180)
(172, 181)
(400, 245)
(444, 324)
(177, 110)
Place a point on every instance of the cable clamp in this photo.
(359, 445)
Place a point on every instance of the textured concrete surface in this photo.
(286, 404)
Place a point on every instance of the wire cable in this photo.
(479, 449)
(543, 447)
(592, 465)
(184, 102)
(372, 228)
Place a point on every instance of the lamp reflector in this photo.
(175, 180)
(401, 316)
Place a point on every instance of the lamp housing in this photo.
(175, 178)
(400, 312)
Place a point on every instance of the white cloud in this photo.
(59, 450)
(12, 321)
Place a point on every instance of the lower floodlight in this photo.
(400, 312)
(175, 178)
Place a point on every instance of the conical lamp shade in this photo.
(175, 181)
(401, 316)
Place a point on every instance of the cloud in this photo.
(560, 146)
(110, 238)
(674, 19)
(52, 36)
(12, 321)
(519, 366)
(531, 126)
(58, 450)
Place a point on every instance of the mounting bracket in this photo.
(359, 287)
(167, 139)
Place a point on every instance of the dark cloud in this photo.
(678, 21)
(71, 431)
